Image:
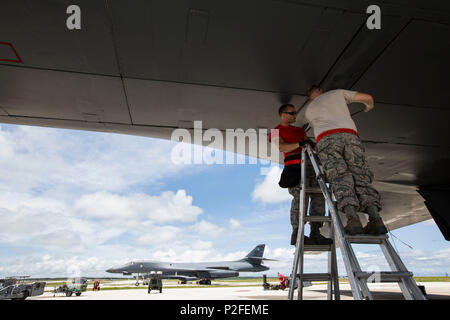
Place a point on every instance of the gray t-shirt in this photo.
(330, 111)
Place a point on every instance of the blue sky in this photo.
(75, 202)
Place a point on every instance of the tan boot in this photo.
(375, 227)
(353, 226)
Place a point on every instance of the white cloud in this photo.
(166, 207)
(38, 159)
(208, 229)
(234, 224)
(74, 190)
(158, 235)
(269, 191)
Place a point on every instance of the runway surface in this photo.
(384, 291)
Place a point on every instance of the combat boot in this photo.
(353, 226)
(317, 239)
(375, 227)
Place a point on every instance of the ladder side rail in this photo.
(332, 256)
(299, 246)
(345, 249)
(301, 222)
(407, 285)
(394, 267)
(362, 282)
(301, 275)
(330, 266)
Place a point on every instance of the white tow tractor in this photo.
(15, 288)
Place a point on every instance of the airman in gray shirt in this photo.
(341, 153)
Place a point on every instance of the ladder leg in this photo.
(344, 246)
(395, 267)
(300, 288)
(332, 268)
(330, 282)
(298, 263)
(337, 293)
(346, 250)
(333, 258)
(330, 264)
(302, 255)
(408, 286)
(362, 282)
(299, 247)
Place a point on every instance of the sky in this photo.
(77, 203)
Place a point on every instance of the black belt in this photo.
(295, 158)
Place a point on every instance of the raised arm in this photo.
(365, 98)
(284, 146)
(288, 147)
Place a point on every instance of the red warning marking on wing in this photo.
(19, 60)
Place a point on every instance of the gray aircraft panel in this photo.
(281, 46)
(167, 104)
(397, 124)
(362, 51)
(62, 95)
(38, 32)
(414, 69)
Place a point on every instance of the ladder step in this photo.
(366, 239)
(316, 248)
(318, 219)
(384, 276)
(316, 277)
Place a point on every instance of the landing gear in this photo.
(205, 282)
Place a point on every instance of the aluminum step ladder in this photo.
(358, 279)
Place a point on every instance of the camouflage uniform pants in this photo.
(317, 199)
(342, 156)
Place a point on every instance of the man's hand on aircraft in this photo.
(368, 107)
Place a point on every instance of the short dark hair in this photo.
(311, 88)
(284, 107)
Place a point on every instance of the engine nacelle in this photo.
(223, 273)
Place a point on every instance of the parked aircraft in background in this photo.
(203, 271)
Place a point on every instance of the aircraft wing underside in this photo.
(149, 67)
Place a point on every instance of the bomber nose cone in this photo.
(110, 270)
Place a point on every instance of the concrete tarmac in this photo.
(384, 291)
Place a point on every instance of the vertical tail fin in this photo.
(255, 256)
(257, 252)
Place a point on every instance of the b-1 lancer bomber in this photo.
(203, 271)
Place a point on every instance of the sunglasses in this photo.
(291, 113)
